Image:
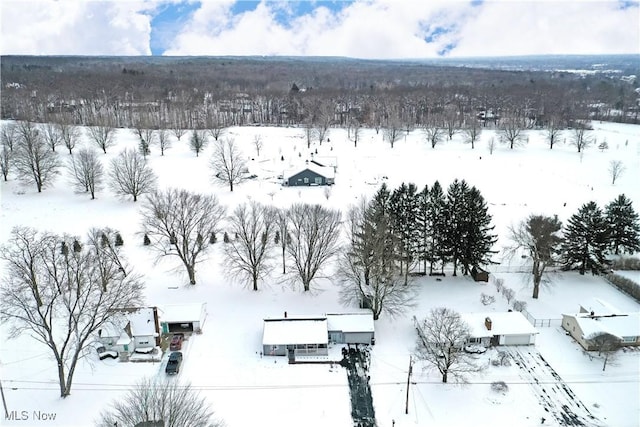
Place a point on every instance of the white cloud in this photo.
(75, 27)
(365, 28)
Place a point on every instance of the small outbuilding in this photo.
(479, 275)
(499, 328)
(305, 336)
(351, 328)
(183, 317)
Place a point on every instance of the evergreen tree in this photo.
(437, 250)
(456, 227)
(478, 239)
(624, 227)
(424, 227)
(404, 209)
(586, 240)
(118, 240)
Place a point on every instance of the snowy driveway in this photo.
(558, 400)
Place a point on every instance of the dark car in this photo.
(103, 353)
(176, 342)
(174, 362)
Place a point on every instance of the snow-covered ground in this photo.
(246, 389)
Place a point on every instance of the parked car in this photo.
(176, 342)
(174, 362)
(103, 353)
(475, 349)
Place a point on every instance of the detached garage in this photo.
(351, 328)
(182, 317)
(499, 328)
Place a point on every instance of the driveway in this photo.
(555, 396)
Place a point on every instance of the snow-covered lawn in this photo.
(224, 361)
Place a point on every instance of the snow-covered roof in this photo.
(350, 322)
(179, 313)
(295, 331)
(599, 307)
(326, 171)
(502, 323)
(142, 322)
(124, 339)
(620, 325)
(112, 329)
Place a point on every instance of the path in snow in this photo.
(552, 392)
(356, 361)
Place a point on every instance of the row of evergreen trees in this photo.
(429, 229)
(592, 234)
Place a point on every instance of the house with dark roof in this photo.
(310, 174)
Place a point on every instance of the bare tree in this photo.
(33, 161)
(392, 132)
(146, 135)
(248, 254)
(491, 145)
(441, 339)
(581, 137)
(49, 284)
(215, 127)
(228, 165)
(163, 140)
(606, 344)
(6, 158)
(102, 136)
(511, 131)
(472, 131)
(178, 126)
(130, 175)
(85, 169)
(323, 119)
(354, 131)
(258, 143)
(282, 236)
(179, 223)
(52, 135)
(433, 133)
(155, 401)
(553, 130)
(198, 141)
(616, 169)
(314, 234)
(9, 134)
(540, 238)
(70, 135)
(310, 132)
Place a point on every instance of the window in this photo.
(629, 339)
(475, 340)
(318, 180)
(143, 342)
(306, 180)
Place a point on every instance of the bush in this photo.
(487, 299)
(77, 247)
(225, 238)
(626, 263)
(499, 387)
(146, 240)
(519, 305)
(213, 239)
(499, 284)
(119, 241)
(627, 286)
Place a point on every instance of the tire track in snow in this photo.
(555, 396)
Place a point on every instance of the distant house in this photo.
(596, 318)
(131, 329)
(183, 317)
(351, 328)
(305, 336)
(499, 328)
(309, 174)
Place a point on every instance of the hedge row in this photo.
(627, 286)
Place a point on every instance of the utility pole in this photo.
(4, 402)
(406, 408)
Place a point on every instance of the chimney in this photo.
(285, 314)
(487, 323)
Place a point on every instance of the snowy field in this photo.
(248, 390)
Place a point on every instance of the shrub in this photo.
(499, 387)
(627, 286)
(499, 284)
(146, 240)
(213, 239)
(487, 299)
(626, 263)
(225, 238)
(119, 241)
(77, 247)
(508, 294)
(519, 305)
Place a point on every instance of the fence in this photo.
(542, 323)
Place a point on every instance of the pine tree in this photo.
(478, 239)
(456, 227)
(118, 240)
(586, 240)
(146, 241)
(438, 222)
(424, 227)
(624, 227)
(404, 207)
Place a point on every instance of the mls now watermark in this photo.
(30, 416)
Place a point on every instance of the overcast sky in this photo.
(354, 28)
